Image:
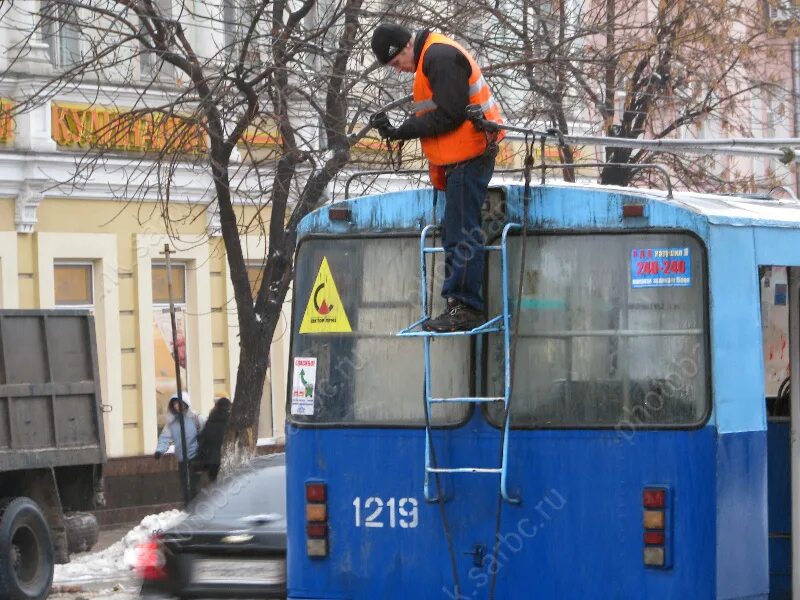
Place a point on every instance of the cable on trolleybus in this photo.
(436, 475)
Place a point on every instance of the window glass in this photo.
(61, 32)
(152, 65)
(73, 284)
(266, 420)
(255, 271)
(231, 24)
(160, 287)
(611, 333)
(237, 18)
(164, 348)
(368, 375)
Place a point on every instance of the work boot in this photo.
(456, 317)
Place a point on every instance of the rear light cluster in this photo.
(654, 501)
(150, 561)
(316, 519)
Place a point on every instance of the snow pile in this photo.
(119, 558)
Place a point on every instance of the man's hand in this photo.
(157, 455)
(380, 121)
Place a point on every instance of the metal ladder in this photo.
(496, 324)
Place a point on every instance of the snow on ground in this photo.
(79, 593)
(118, 559)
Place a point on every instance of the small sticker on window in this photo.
(661, 267)
(304, 379)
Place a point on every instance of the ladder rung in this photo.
(407, 333)
(464, 470)
(439, 249)
(493, 325)
(433, 250)
(469, 399)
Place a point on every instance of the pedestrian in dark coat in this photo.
(210, 451)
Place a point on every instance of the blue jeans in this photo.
(462, 237)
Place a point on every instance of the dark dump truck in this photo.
(52, 446)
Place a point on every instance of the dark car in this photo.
(232, 544)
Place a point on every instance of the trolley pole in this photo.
(184, 464)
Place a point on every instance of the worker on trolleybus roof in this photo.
(446, 80)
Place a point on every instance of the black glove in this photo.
(157, 455)
(380, 121)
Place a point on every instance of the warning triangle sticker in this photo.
(325, 311)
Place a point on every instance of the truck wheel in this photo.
(26, 551)
(82, 531)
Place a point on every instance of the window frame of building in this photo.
(160, 306)
(179, 301)
(251, 266)
(266, 413)
(231, 26)
(62, 36)
(150, 66)
(60, 265)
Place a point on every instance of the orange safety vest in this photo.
(464, 142)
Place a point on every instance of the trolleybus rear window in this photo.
(612, 331)
(362, 373)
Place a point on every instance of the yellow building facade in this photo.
(90, 247)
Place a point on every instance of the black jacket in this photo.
(448, 71)
(210, 439)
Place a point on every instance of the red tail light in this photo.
(654, 538)
(316, 492)
(317, 530)
(150, 560)
(655, 519)
(654, 498)
(316, 519)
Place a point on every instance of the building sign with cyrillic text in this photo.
(6, 122)
(76, 126)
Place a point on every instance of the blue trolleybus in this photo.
(618, 429)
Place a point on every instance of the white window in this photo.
(61, 32)
(231, 23)
(237, 17)
(153, 67)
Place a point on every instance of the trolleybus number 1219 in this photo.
(370, 513)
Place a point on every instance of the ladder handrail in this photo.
(488, 327)
(507, 359)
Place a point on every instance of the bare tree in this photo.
(627, 68)
(257, 94)
(268, 99)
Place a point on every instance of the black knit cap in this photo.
(388, 41)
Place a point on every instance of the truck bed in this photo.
(50, 402)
